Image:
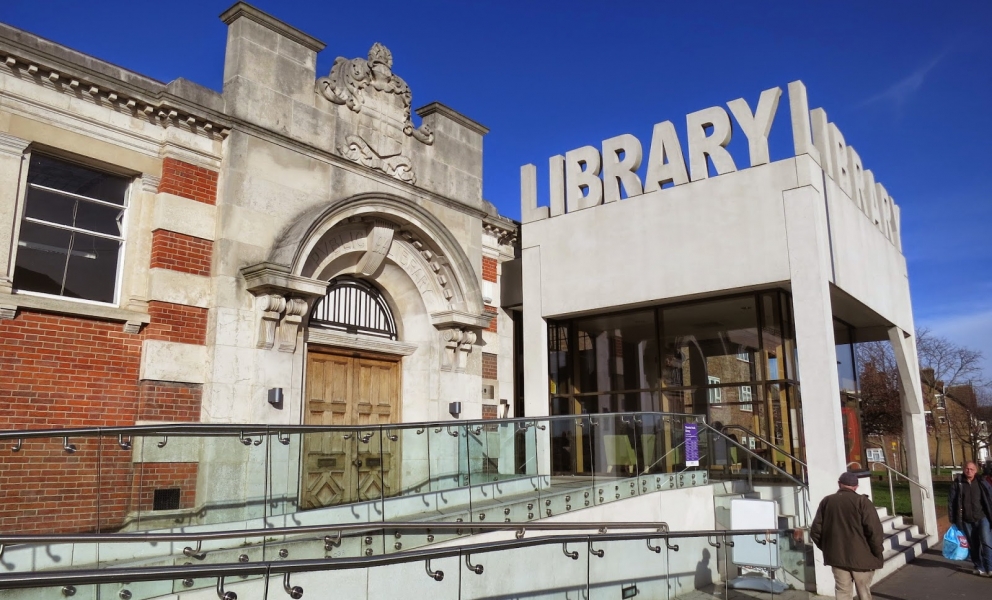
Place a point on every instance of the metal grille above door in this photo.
(354, 306)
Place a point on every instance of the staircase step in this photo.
(902, 543)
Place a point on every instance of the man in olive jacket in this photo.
(848, 532)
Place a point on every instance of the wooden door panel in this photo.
(345, 390)
(329, 477)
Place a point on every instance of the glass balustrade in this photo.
(193, 480)
(745, 564)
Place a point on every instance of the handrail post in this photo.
(892, 494)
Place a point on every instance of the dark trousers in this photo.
(973, 531)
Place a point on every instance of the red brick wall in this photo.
(61, 371)
(493, 325)
(179, 252)
(168, 401)
(176, 323)
(489, 362)
(188, 181)
(489, 269)
(149, 477)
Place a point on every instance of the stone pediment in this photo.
(369, 88)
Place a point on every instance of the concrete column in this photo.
(535, 349)
(810, 271)
(12, 171)
(914, 430)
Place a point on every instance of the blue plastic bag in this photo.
(955, 544)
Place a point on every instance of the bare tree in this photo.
(944, 365)
(881, 407)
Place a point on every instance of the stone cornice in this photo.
(243, 9)
(504, 230)
(265, 278)
(461, 320)
(457, 117)
(63, 70)
(12, 145)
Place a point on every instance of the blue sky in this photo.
(908, 83)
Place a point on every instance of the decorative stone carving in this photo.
(349, 81)
(457, 345)
(395, 165)
(271, 306)
(289, 327)
(502, 233)
(380, 238)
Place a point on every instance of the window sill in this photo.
(132, 319)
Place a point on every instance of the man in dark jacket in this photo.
(970, 509)
(848, 532)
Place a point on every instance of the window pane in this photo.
(559, 371)
(98, 218)
(41, 258)
(711, 339)
(846, 375)
(617, 352)
(92, 272)
(771, 336)
(749, 416)
(684, 401)
(49, 206)
(77, 179)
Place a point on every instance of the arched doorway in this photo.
(346, 386)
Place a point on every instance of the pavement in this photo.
(931, 576)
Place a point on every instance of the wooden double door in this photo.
(362, 462)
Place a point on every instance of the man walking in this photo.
(970, 508)
(848, 532)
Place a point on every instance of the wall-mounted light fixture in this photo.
(275, 397)
(455, 408)
(504, 408)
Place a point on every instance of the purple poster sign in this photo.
(691, 445)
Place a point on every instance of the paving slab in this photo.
(931, 576)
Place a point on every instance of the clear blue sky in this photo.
(908, 83)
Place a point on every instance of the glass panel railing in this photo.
(738, 565)
(449, 468)
(190, 480)
(550, 571)
(627, 568)
(407, 473)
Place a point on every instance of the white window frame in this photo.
(747, 397)
(22, 198)
(714, 395)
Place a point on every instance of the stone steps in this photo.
(902, 543)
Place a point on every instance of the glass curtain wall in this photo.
(731, 359)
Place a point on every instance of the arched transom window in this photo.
(354, 306)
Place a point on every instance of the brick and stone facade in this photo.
(234, 220)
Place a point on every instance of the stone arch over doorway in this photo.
(421, 269)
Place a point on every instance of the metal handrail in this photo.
(892, 494)
(440, 526)
(904, 476)
(804, 487)
(768, 443)
(281, 567)
(788, 475)
(255, 429)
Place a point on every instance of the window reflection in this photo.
(711, 341)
